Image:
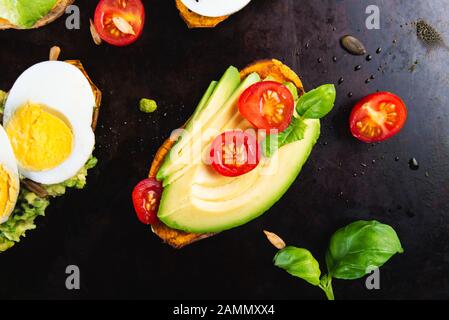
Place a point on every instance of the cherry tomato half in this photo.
(377, 117)
(146, 198)
(267, 105)
(234, 153)
(119, 22)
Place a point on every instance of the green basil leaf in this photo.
(299, 263)
(294, 132)
(317, 103)
(359, 247)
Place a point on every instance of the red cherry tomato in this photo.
(234, 153)
(119, 22)
(377, 117)
(146, 198)
(267, 105)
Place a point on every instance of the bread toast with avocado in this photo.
(56, 11)
(273, 69)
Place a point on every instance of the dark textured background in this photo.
(97, 230)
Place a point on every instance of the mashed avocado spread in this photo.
(25, 13)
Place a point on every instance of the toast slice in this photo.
(55, 13)
(194, 20)
(265, 68)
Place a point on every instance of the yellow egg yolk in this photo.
(8, 193)
(40, 138)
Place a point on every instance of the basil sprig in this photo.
(317, 103)
(314, 104)
(353, 252)
(359, 247)
(294, 132)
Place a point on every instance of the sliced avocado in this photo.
(25, 13)
(223, 90)
(202, 201)
(218, 123)
(203, 102)
(293, 90)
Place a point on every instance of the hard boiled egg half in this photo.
(9, 178)
(47, 118)
(215, 8)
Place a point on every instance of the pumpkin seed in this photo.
(275, 240)
(94, 33)
(353, 45)
(54, 53)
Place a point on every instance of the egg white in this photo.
(215, 8)
(8, 161)
(63, 88)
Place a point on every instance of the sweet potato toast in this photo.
(194, 20)
(265, 68)
(55, 13)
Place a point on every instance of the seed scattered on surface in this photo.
(350, 94)
(334, 59)
(353, 45)
(369, 57)
(413, 164)
(94, 33)
(396, 159)
(341, 80)
(319, 60)
(55, 51)
(427, 34)
(275, 240)
(307, 45)
(412, 68)
(357, 67)
(367, 81)
(410, 214)
(379, 50)
(372, 77)
(147, 105)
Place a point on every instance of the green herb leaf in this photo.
(326, 286)
(294, 132)
(317, 103)
(357, 248)
(299, 263)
